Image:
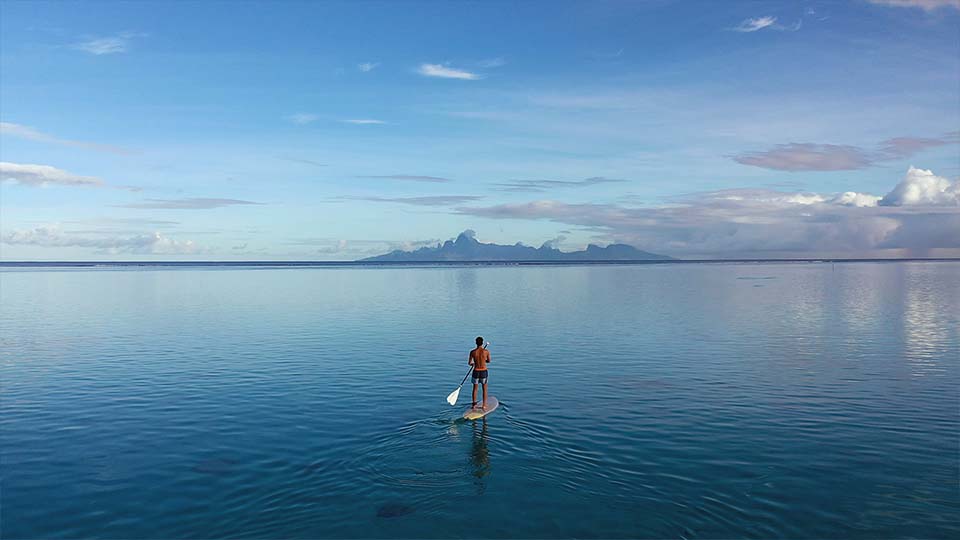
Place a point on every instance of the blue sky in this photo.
(334, 131)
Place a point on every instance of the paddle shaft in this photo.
(467, 375)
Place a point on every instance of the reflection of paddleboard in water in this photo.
(475, 413)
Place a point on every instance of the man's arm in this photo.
(487, 355)
(470, 359)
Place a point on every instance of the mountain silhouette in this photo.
(467, 248)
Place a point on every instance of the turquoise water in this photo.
(666, 401)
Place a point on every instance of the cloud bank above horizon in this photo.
(761, 129)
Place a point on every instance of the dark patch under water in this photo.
(392, 510)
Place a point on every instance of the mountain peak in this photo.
(466, 237)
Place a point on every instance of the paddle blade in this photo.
(452, 398)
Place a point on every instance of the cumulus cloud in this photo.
(761, 222)
(118, 43)
(833, 157)
(29, 133)
(44, 175)
(195, 203)
(437, 200)
(926, 5)
(148, 243)
(923, 188)
(408, 177)
(367, 67)
(446, 72)
(532, 186)
(852, 198)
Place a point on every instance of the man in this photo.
(479, 358)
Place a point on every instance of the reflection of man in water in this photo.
(479, 454)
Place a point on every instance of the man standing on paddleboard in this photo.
(479, 358)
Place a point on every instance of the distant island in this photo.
(467, 248)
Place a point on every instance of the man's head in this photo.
(479, 341)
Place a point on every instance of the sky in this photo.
(340, 130)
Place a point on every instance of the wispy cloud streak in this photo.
(45, 175)
(926, 5)
(407, 177)
(195, 203)
(446, 72)
(99, 46)
(530, 186)
(29, 133)
(436, 200)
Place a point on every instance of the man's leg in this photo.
(484, 394)
(474, 395)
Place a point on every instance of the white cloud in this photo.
(852, 198)
(445, 72)
(756, 23)
(44, 175)
(303, 118)
(108, 45)
(923, 188)
(367, 67)
(148, 243)
(769, 23)
(29, 133)
(920, 214)
(926, 5)
(363, 121)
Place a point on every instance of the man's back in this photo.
(480, 357)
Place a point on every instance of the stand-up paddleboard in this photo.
(477, 413)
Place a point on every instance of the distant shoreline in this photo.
(333, 264)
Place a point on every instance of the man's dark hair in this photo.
(479, 341)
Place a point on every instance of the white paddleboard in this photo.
(476, 413)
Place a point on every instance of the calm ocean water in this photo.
(666, 401)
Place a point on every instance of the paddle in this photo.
(452, 398)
